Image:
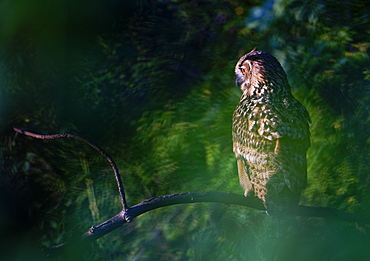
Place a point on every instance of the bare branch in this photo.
(118, 220)
(219, 197)
(128, 213)
(100, 150)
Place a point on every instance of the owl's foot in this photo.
(127, 216)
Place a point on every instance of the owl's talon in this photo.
(127, 217)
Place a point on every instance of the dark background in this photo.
(152, 83)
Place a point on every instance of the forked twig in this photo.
(119, 220)
(127, 213)
(100, 150)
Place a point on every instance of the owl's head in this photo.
(259, 70)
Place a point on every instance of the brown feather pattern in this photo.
(270, 133)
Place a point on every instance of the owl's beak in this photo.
(239, 80)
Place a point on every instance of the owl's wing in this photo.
(244, 175)
(270, 144)
(241, 147)
(289, 132)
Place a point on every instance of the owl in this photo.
(270, 133)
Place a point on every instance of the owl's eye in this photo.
(242, 69)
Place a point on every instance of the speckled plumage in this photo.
(270, 133)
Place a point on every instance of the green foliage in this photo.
(152, 82)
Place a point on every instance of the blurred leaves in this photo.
(152, 82)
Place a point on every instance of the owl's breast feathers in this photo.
(270, 140)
